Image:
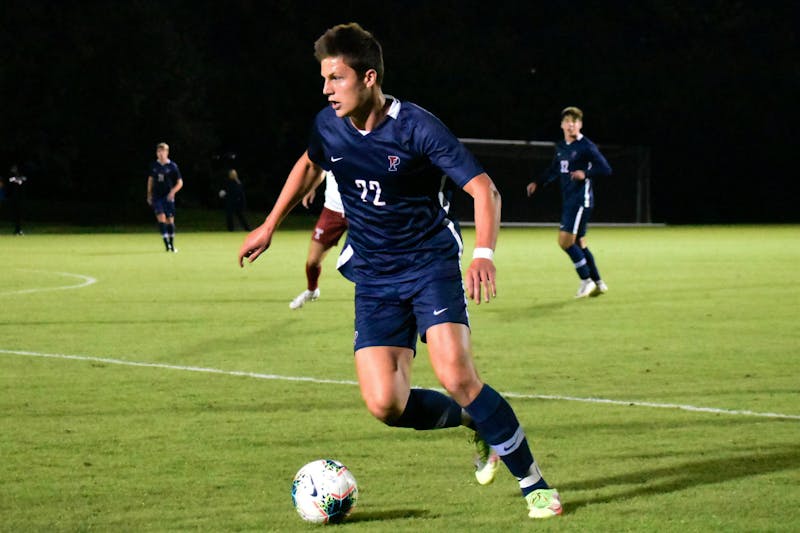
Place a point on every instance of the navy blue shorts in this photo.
(393, 315)
(162, 205)
(574, 220)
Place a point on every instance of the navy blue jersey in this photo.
(164, 177)
(581, 154)
(392, 188)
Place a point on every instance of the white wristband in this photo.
(483, 253)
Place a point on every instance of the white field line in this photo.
(278, 377)
(85, 282)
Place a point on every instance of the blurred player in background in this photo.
(403, 253)
(330, 227)
(233, 195)
(14, 190)
(163, 182)
(576, 162)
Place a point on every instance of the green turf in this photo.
(699, 316)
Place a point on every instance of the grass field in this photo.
(145, 391)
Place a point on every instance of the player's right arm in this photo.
(549, 175)
(304, 175)
(150, 190)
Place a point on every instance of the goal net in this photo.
(623, 197)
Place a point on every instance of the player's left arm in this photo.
(481, 274)
(178, 186)
(600, 166)
(308, 199)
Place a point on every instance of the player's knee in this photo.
(463, 389)
(385, 411)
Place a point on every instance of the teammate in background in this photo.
(403, 253)
(163, 182)
(14, 190)
(576, 162)
(233, 195)
(330, 227)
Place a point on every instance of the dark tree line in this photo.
(88, 88)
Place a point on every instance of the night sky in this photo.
(88, 88)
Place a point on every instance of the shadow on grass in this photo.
(389, 514)
(686, 475)
(546, 307)
(110, 253)
(525, 312)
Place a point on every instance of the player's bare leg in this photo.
(316, 254)
(384, 376)
(451, 358)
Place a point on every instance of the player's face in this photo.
(571, 128)
(162, 154)
(346, 90)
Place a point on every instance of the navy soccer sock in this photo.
(162, 229)
(498, 425)
(579, 260)
(593, 272)
(170, 233)
(429, 409)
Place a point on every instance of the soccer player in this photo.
(233, 195)
(330, 227)
(403, 253)
(15, 193)
(163, 182)
(576, 162)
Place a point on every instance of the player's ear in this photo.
(370, 77)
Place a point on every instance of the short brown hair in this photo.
(573, 112)
(359, 49)
(165, 146)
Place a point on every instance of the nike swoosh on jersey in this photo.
(437, 312)
(335, 159)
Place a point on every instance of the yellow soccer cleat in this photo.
(543, 503)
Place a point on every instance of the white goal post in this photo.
(622, 198)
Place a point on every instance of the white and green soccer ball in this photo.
(324, 491)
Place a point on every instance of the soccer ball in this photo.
(324, 491)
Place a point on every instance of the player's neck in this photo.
(372, 113)
(569, 139)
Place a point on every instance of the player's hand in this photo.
(531, 188)
(308, 199)
(578, 175)
(149, 200)
(256, 243)
(481, 280)
(171, 197)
